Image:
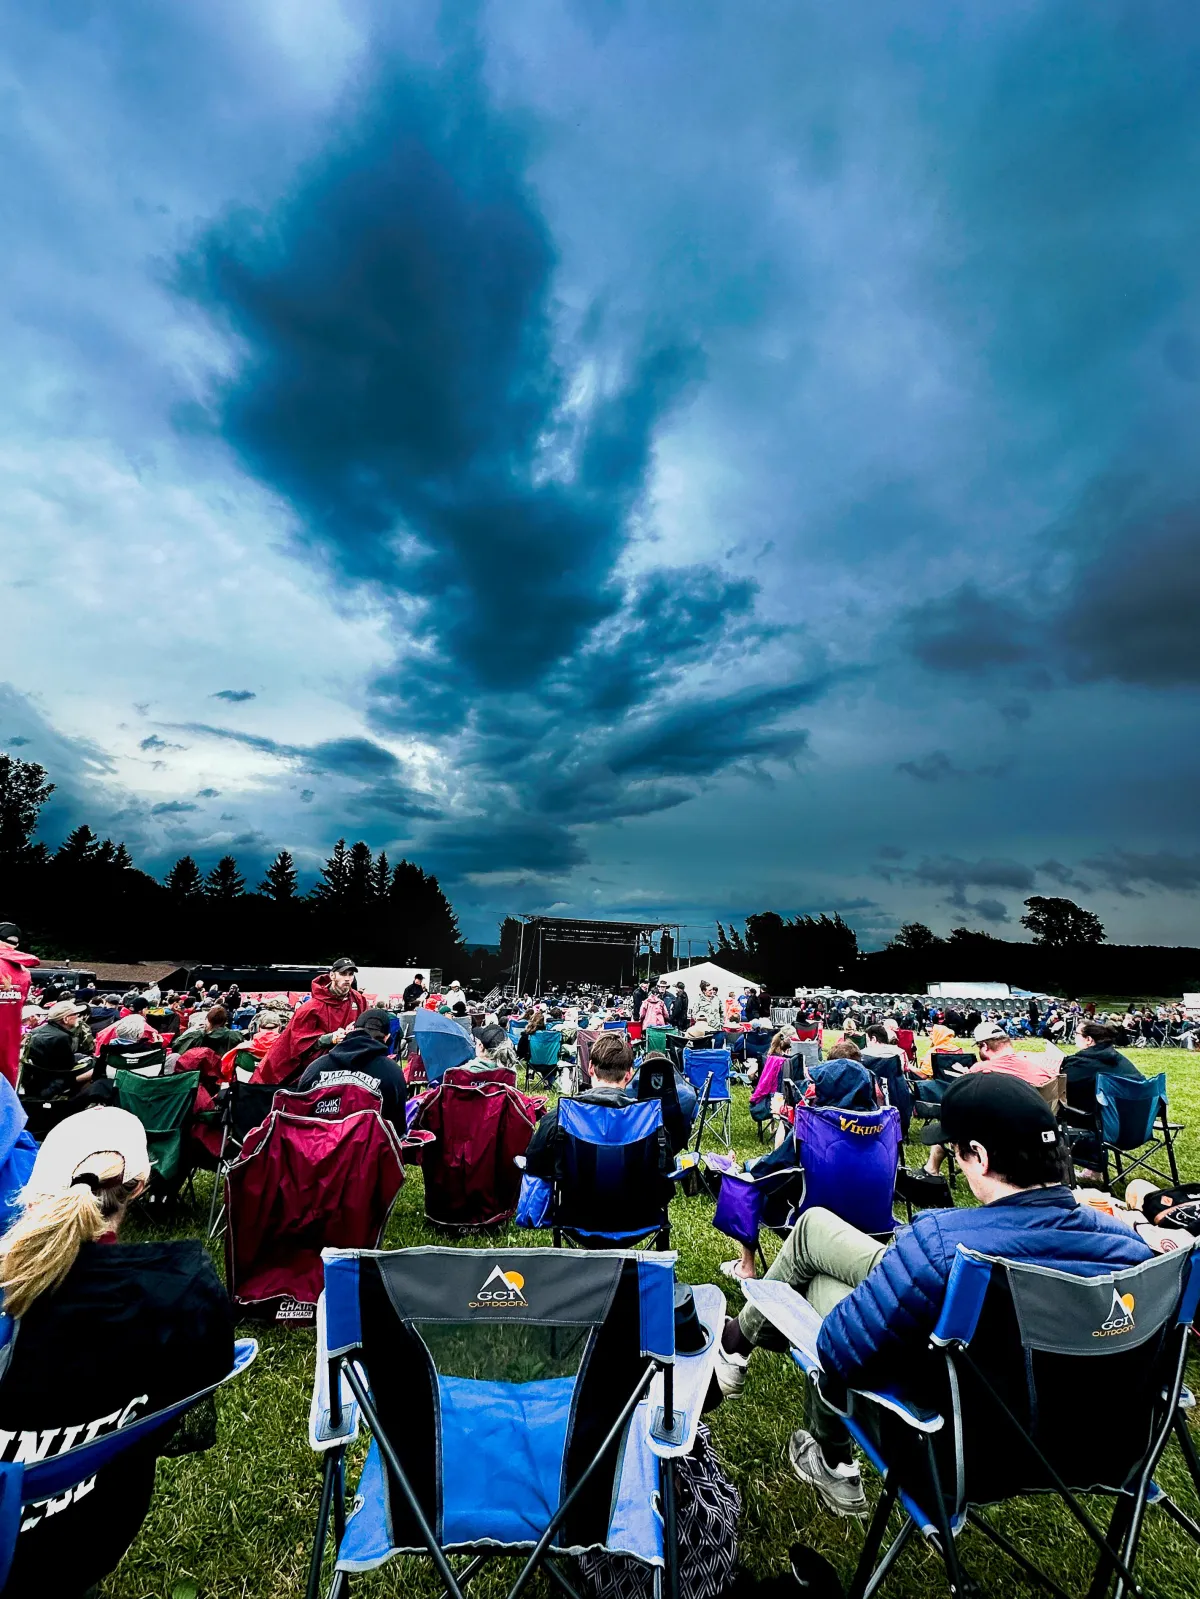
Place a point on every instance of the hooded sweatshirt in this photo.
(300, 1040)
(361, 1058)
(14, 992)
(1085, 1065)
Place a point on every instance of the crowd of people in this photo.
(112, 1330)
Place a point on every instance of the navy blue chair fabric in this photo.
(610, 1183)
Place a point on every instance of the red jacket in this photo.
(297, 1044)
(14, 992)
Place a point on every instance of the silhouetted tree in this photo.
(1061, 924)
(224, 883)
(184, 880)
(279, 880)
(24, 789)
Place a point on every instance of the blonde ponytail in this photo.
(42, 1245)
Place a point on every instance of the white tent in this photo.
(707, 972)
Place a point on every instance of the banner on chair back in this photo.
(1067, 1315)
(536, 1285)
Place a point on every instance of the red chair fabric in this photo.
(302, 1184)
(330, 1104)
(481, 1123)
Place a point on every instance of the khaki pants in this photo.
(823, 1258)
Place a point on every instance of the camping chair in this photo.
(889, 1071)
(328, 1104)
(611, 1183)
(849, 1159)
(655, 1079)
(524, 1402)
(943, 1059)
(300, 1184)
(656, 1040)
(1014, 1348)
(481, 1123)
(244, 1107)
(147, 1059)
(52, 1476)
(807, 1048)
(164, 1106)
(708, 1072)
(1132, 1125)
(747, 1202)
(1054, 1093)
(544, 1049)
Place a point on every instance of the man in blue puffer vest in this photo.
(881, 1303)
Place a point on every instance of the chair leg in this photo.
(949, 1552)
(1169, 1141)
(313, 1587)
(670, 1533)
(874, 1541)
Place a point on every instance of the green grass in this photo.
(237, 1522)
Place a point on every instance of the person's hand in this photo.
(339, 1035)
(956, 1071)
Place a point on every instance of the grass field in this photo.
(237, 1522)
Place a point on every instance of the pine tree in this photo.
(224, 883)
(381, 877)
(279, 880)
(79, 848)
(184, 880)
(360, 876)
(335, 876)
(106, 853)
(122, 859)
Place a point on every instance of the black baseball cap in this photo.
(993, 1109)
(344, 964)
(376, 1016)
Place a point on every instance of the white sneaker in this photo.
(839, 1488)
(730, 1373)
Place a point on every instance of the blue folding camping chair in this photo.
(1133, 1126)
(49, 1478)
(525, 1402)
(545, 1047)
(612, 1179)
(441, 1043)
(999, 1413)
(708, 1072)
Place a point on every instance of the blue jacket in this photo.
(871, 1338)
(17, 1152)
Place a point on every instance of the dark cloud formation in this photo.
(1131, 873)
(937, 767)
(172, 808)
(157, 744)
(234, 696)
(404, 382)
(207, 793)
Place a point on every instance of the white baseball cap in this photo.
(105, 1143)
(987, 1030)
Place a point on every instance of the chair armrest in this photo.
(693, 1374)
(1076, 1118)
(322, 1434)
(791, 1313)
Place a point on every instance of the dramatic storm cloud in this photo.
(677, 461)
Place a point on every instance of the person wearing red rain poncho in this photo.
(14, 991)
(333, 1009)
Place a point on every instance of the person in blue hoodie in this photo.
(880, 1303)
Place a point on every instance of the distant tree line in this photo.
(1069, 955)
(87, 900)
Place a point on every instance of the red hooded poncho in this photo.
(297, 1044)
(14, 992)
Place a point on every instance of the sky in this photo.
(658, 461)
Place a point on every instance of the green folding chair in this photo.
(164, 1106)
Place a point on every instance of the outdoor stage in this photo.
(555, 951)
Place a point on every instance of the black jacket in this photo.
(539, 1157)
(133, 1328)
(679, 1012)
(360, 1055)
(50, 1063)
(413, 996)
(1083, 1067)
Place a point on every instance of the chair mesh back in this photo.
(610, 1168)
(1128, 1109)
(506, 1375)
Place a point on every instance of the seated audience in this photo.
(362, 1057)
(880, 1303)
(244, 1057)
(52, 1067)
(214, 1033)
(106, 1333)
(1095, 1055)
